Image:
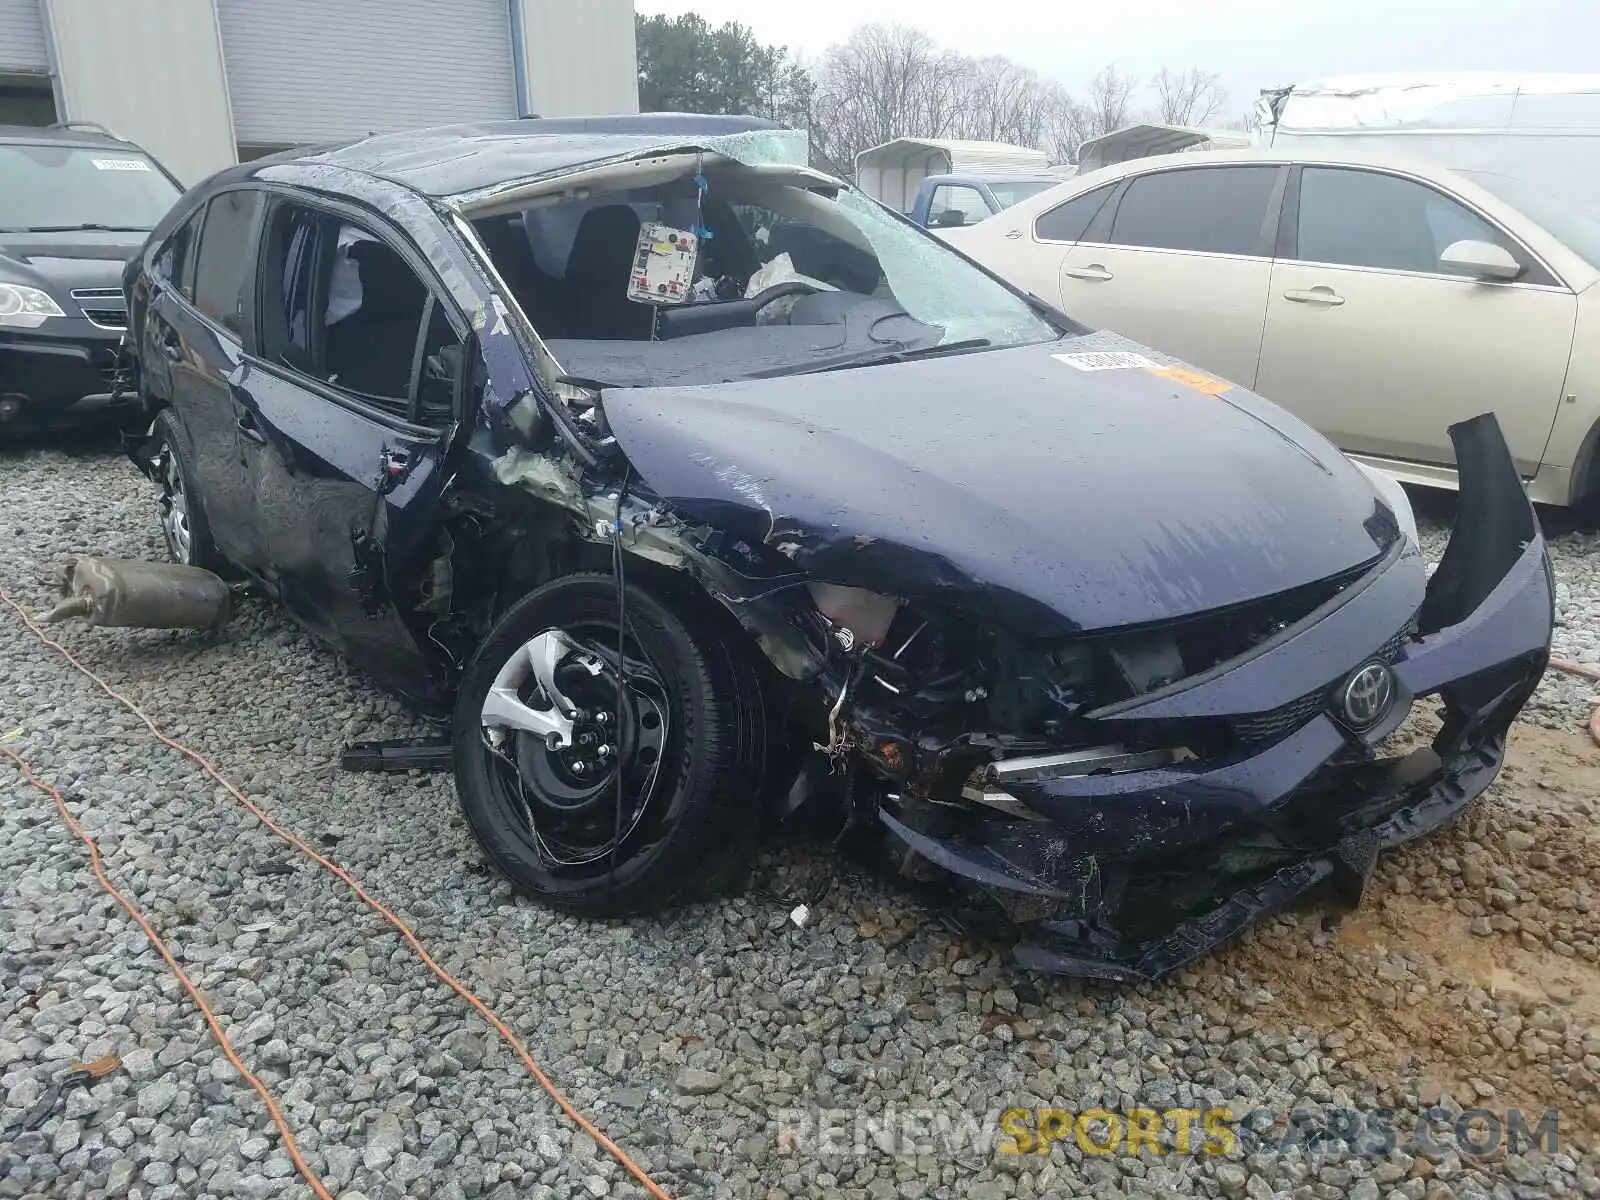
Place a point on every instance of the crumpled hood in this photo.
(1013, 485)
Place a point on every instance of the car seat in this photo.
(371, 350)
(597, 277)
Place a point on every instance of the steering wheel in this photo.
(789, 287)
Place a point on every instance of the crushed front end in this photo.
(1244, 763)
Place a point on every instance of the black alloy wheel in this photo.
(603, 786)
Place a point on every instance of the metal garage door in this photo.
(22, 37)
(315, 70)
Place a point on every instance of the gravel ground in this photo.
(1469, 978)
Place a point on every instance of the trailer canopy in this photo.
(894, 171)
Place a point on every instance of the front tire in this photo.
(687, 739)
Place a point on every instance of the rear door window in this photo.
(288, 268)
(1069, 221)
(222, 268)
(1209, 210)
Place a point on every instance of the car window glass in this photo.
(955, 205)
(288, 269)
(1368, 219)
(1070, 221)
(840, 260)
(225, 243)
(344, 307)
(1007, 194)
(56, 187)
(1213, 210)
(175, 263)
(745, 237)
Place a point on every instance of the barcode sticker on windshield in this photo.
(1105, 360)
(120, 164)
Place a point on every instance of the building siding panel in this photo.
(22, 44)
(312, 70)
(581, 57)
(177, 111)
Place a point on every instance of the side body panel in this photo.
(1205, 308)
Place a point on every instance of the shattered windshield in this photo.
(698, 269)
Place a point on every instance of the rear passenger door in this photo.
(1028, 252)
(353, 400)
(1181, 260)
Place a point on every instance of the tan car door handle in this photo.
(1321, 294)
(1093, 271)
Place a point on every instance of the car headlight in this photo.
(26, 307)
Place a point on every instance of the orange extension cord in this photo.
(344, 877)
(82, 834)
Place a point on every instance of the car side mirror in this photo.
(1481, 260)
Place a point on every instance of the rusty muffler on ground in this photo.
(145, 595)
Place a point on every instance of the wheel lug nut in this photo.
(605, 751)
(579, 767)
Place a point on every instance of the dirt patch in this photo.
(1472, 968)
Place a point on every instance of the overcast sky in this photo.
(1251, 43)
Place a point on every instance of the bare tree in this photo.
(883, 82)
(1189, 97)
(890, 81)
(1068, 124)
(1106, 97)
(1002, 101)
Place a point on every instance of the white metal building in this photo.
(200, 83)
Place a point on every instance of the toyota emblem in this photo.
(1367, 694)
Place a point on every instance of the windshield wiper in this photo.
(903, 353)
(98, 228)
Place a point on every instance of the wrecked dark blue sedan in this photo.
(692, 489)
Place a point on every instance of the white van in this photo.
(1541, 128)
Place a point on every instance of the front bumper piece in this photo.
(1128, 876)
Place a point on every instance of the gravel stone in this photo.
(686, 1034)
(1232, 1178)
(383, 1142)
(691, 1081)
(156, 1097)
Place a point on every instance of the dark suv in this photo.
(75, 204)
